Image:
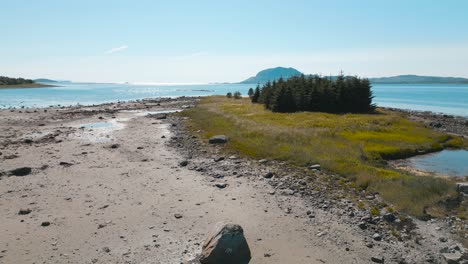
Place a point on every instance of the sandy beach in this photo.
(106, 185)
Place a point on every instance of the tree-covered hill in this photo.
(14, 81)
(272, 74)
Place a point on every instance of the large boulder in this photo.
(226, 245)
(219, 139)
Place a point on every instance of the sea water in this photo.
(441, 98)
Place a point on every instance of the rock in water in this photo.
(219, 139)
(226, 245)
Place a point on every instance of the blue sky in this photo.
(217, 41)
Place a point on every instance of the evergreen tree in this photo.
(250, 93)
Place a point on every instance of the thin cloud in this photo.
(118, 49)
(189, 56)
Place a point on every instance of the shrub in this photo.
(237, 95)
(229, 95)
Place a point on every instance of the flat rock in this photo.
(219, 139)
(23, 171)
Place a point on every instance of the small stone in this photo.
(114, 146)
(221, 185)
(183, 163)
(268, 175)
(106, 249)
(218, 159)
(389, 217)
(377, 259)
(24, 211)
(362, 225)
(177, 216)
(23, 171)
(314, 167)
(377, 237)
(45, 223)
(219, 139)
(262, 161)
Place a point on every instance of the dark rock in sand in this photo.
(65, 164)
(217, 159)
(114, 146)
(21, 171)
(28, 141)
(389, 217)
(377, 259)
(219, 139)
(24, 211)
(183, 163)
(46, 223)
(221, 185)
(268, 175)
(226, 245)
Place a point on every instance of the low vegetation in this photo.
(354, 146)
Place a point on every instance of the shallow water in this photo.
(97, 125)
(447, 162)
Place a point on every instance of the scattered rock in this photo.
(177, 216)
(219, 139)
(314, 167)
(221, 185)
(23, 171)
(377, 237)
(226, 245)
(65, 164)
(389, 217)
(377, 259)
(362, 225)
(453, 258)
(24, 211)
(106, 249)
(217, 159)
(45, 223)
(268, 175)
(462, 187)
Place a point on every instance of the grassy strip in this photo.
(24, 86)
(351, 145)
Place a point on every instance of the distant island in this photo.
(274, 74)
(43, 80)
(7, 82)
(415, 79)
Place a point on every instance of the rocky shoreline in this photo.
(457, 125)
(149, 189)
(389, 233)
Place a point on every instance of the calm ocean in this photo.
(441, 98)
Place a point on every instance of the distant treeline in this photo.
(14, 81)
(315, 93)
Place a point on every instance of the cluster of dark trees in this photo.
(342, 94)
(14, 81)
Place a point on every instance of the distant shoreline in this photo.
(26, 86)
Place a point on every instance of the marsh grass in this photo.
(355, 146)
